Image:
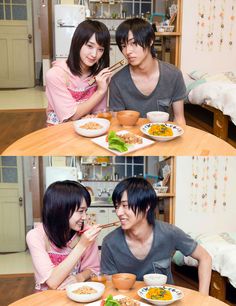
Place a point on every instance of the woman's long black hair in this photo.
(82, 34)
(60, 201)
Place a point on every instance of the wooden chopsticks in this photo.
(111, 69)
(117, 65)
(102, 226)
(110, 224)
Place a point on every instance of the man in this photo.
(142, 243)
(146, 83)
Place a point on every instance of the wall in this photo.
(203, 185)
(213, 57)
(37, 39)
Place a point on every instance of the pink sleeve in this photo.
(41, 261)
(91, 259)
(59, 97)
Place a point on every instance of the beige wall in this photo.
(202, 58)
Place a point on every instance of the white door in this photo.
(16, 44)
(12, 211)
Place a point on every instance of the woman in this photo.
(60, 252)
(69, 91)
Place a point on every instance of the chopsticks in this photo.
(111, 69)
(102, 226)
(117, 65)
(110, 224)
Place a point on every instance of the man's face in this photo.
(127, 217)
(134, 53)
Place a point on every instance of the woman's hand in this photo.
(103, 79)
(71, 279)
(89, 235)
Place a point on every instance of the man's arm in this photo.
(178, 110)
(204, 268)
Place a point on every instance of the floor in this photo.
(30, 98)
(24, 108)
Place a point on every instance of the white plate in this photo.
(101, 141)
(85, 298)
(176, 295)
(91, 133)
(177, 131)
(116, 297)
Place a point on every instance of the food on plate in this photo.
(131, 138)
(85, 290)
(160, 130)
(121, 142)
(109, 301)
(116, 143)
(91, 126)
(159, 294)
(124, 301)
(127, 301)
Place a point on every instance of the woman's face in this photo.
(90, 53)
(79, 216)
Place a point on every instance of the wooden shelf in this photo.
(165, 195)
(167, 34)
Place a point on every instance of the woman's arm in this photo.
(61, 101)
(61, 272)
(204, 268)
(102, 80)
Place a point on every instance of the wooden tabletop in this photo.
(59, 298)
(62, 140)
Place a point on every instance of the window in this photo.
(13, 10)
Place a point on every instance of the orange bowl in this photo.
(123, 281)
(127, 117)
(106, 115)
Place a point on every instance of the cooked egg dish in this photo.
(160, 130)
(159, 294)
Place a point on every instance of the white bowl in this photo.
(89, 132)
(176, 295)
(177, 131)
(156, 116)
(85, 298)
(155, 279)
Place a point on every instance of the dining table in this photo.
(62, 140)
(59, 297)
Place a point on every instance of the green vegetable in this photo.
(110, 301)
(116, 143)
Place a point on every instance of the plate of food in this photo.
(162, 131)
(91, 127)
(160, 295)
(117, 300)
(122, 142)
(85, 292)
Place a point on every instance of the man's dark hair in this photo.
(141, 195)
(142, 31)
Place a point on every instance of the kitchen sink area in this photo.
(101, 202)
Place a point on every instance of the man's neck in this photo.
(147, 67)
(140, 233)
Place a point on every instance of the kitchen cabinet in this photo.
(168, 43)
(113, 169)
(102, 215)
(115, 55)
